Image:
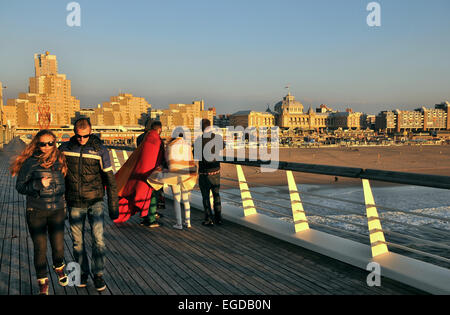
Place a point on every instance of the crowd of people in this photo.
(71, 181)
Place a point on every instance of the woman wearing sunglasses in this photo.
(40, 171)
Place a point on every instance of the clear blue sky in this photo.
(236, 54)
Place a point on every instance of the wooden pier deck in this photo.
(225, 260)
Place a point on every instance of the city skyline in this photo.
(236, 55)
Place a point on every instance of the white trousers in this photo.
(181, 195)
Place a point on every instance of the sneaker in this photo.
(99, 283)
(218, 222)
(63, 280)
(43, 286)
(178, 227)
(159, 215)
(155, 224)
(83, 281)
(144, 223)
(208, 223)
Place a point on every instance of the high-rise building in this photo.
(49, 93)
(122, 110)
(185, 115)
(45, 65)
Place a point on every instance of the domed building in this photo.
(289, 105)
(290, 115)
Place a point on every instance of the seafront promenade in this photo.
(230, 259)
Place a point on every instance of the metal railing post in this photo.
(247, 201)
(377, 240)
(298, 213)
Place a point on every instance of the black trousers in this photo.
(209, 183)
(40, 224)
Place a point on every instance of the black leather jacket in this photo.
(29, 183)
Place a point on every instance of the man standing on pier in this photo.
(209, 172)
(89, 172)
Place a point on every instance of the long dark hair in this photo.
(46, 159)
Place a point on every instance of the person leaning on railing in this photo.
(40, 171)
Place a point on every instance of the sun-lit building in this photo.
(185, 115)
(290, 115)
(49, 93)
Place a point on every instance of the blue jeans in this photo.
(77, 219)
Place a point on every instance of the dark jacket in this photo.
(141, 138)
(89, 172)
(208, 164)
(29, 183)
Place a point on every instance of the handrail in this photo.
(427, 180)
(352, 202)
(425, 228)
(417, 240)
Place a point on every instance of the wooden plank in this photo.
(213, 262)
(240, 273)
(114, 262)
(129, 247)
(25, 273)
(147, 282)
(14, 284)
(270, 258)
(232, 261)
(156, 254)
(195, 239)
(268, 264)
(161, 245)
(4, 281)
(6, 252)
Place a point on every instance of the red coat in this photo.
(134, 192)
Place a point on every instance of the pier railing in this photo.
(374, 231)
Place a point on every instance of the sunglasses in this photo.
(43, 144)
(83, 137)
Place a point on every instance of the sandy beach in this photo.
(412, 159)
